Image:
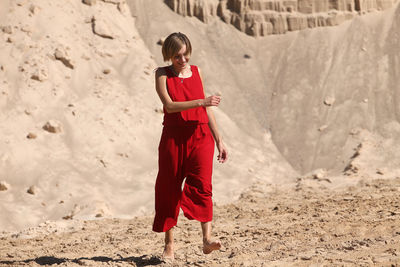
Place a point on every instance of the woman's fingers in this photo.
(213, 100)
(222, 155)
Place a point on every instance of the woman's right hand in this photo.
(212, 101)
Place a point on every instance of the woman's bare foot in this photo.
(168, 253)
(210, 246)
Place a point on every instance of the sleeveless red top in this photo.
(185, 89)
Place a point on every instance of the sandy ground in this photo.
(307, 224)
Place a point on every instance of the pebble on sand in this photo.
(40, 75)
(34, 9)
(31, 136)
(89, 2)
(52, 126)
(7, 29)
(32, 190)
(329, 101)
(322, 128)
(61, 55)
(101, 29)
(4, 186)
(112, 1)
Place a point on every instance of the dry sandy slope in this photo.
(308, 224)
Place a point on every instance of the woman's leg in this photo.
(169, 245)
(208, 245)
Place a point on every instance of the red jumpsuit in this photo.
(186, 150)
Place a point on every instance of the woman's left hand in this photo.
(223, 153)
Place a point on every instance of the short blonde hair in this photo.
(174, 42)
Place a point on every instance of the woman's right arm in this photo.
(174, 106)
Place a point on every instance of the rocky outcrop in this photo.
(265, 17)
(202, 9)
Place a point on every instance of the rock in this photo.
(329, 100)
(319, 174)
(266, 28)
(89, 2)
(34, 9)
(106, 71)
(123, 7)
(284, 15)
(306, 257)
(380, 171)
(84, 262)
(31, 136)
(203, 9)
(296, 23)
(279, 24)
(101, 29)
(322, 128)
(351, 168)
(61, 54)
(7, 29)
(312, 21)
(40, 75)
(68, 217)
(26, 29)
(4, 186)
(113, 1)
(52, 127)
(32, 190)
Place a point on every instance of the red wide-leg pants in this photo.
(184, 152)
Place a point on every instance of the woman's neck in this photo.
(181, 72)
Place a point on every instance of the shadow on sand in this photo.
(144, 260)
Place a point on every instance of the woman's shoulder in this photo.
(195, 68)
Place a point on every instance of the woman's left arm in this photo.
(223, 152)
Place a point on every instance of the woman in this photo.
(186, 148)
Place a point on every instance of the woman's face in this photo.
(180, 60)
